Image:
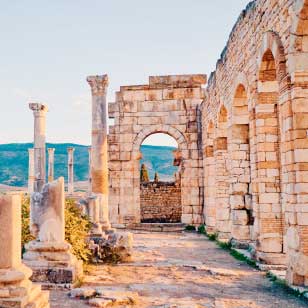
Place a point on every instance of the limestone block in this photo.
(240, 217)
(292, 238)
(302, 219)
(269, 198)
(223, 214)
(240, 188)
(240, 232)
(237, 202)
(270, 245)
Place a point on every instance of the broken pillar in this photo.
(49, 255)
(16, 290)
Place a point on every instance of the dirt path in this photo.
(185, 270)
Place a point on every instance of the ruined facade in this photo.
(242, 140)
(255, 145)
(168, 104)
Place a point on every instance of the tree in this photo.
(144, 174)
(156, 178)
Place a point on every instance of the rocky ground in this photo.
(183, 270)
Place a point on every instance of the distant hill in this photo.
(14, 162)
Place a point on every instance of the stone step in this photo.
(159, 227)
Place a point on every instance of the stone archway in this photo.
(181, 157)
(168, 104)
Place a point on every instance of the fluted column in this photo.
(70, 166)
(51, 162)
(39, 112)
(31, 173)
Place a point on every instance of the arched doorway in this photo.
(269, 215)
(160, 180)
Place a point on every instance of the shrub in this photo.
(25, 226)
(201, 229)
(190, 228)
(77, 227)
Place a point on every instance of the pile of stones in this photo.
(111, 247)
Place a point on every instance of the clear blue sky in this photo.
(49, 47)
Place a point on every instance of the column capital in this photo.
(51, 150)
(70, 149)
(38, 107)
(98, 84)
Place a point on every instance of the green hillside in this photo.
(14, 162)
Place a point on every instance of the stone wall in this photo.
(160, 202)
(243, 141)
(168, 104)
(255, 128)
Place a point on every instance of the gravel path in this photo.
(184, 270)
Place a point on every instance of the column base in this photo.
(53, 264)
(271, 258)
(17, 291)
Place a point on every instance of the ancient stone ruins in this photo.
(242, 154)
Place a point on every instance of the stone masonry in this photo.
(168, 104)
(243, 140)
(255, 128)
(160, 202)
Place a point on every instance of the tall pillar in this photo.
(51, 162)
(31, 173)
(39, 112)
(99, 168)
(70, 167)
(99, 157)
(15, 287)
(89, 172)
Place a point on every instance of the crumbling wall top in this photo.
(178, 81)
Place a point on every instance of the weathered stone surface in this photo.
(16, 290)
(47, 212)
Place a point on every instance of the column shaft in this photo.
(70, 166)
(51, 162)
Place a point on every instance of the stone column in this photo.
(44, 253)
(70, 168)
(51, 162)
(99, 157)
(16, 290)
(31, 173)
(39, 112)
(89, 172)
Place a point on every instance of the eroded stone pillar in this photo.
(47, 224)
(39, 112)
(16, 290)
(99, 157)
(70, 168)
(31, 173)
(51, 163)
